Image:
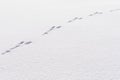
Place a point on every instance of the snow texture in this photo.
(60, 40)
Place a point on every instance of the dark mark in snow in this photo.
(95, 13)
(69, 21)
(58, 27)
(17, 46)
(51, 29)
(80, 18)
(74, 19)
(98, 13)
(7, 51)
(45, 33)
(90, 15)
(14, 47)
(28, 42)
(21, 42)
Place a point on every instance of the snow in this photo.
(59, 40)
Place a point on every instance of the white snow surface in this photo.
(59, 40)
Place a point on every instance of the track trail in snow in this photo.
(23, 43)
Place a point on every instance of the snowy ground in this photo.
(59, 40)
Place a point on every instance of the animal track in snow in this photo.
(56, 27)
(17, 46)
